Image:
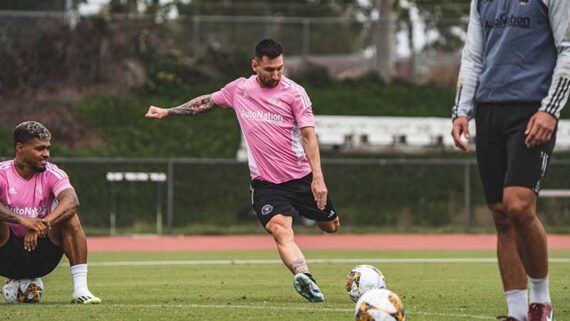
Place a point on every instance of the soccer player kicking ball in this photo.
(515, 79)
(34, 235)
(277, 123)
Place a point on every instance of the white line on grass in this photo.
(311, 261)
(269, 307)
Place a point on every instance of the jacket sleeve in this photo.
(559, 15)
(471, 66)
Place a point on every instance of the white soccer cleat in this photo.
(86, 299)
(307, 288)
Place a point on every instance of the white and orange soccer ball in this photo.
(362, 279)
(379, 305)
(23, 291)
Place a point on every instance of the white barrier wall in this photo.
(396, 134)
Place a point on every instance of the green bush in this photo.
(370, 97)
(128, 133)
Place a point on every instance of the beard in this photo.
(23, 164)
(269, 83)
(39, 169)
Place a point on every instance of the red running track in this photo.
(306, 242)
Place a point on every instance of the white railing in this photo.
(401, 134)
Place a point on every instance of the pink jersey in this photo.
(270, 119)
(32, 198)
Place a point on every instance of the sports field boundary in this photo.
(277, 308)
(427, 260)
(155, 243)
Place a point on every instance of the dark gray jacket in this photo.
(516, 51)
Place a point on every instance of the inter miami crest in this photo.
(266, 209)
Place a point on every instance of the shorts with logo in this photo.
(288, 198)
(502, 156)
(17, 263)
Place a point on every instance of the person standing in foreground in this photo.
(276, 119)
(33, 234)
(515, 79)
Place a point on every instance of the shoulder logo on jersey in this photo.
(266, 209)
(12, 191)
(245, 95)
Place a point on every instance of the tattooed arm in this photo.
(8, 216)
(194, 107)
(31, 224)
(67, 205)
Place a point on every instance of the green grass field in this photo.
(203, 286)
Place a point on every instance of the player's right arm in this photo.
(471, 67)
(32, 224)
(193, 107)
(222, 98)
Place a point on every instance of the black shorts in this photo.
(289, 198)
(502, 156)
(17, 263)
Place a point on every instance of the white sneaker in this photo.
(85, 299)
(307, 288)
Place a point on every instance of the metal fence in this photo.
(403, 194)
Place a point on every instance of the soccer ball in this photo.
(379, 305)
(362, 279)
(23, 291)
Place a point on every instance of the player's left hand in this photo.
(156, 112)
(539, 129)
(48, 221)
(30, 241)
(320, 191)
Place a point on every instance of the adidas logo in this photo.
(12, 191)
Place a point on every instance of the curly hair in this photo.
(29, 130)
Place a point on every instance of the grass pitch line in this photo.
(310, 261)
(269, 307)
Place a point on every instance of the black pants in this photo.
(288, 198)
(17, 263)
(502, 156)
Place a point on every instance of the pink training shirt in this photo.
(32, 198)
(270, 119)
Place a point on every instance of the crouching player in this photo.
(33, 234)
